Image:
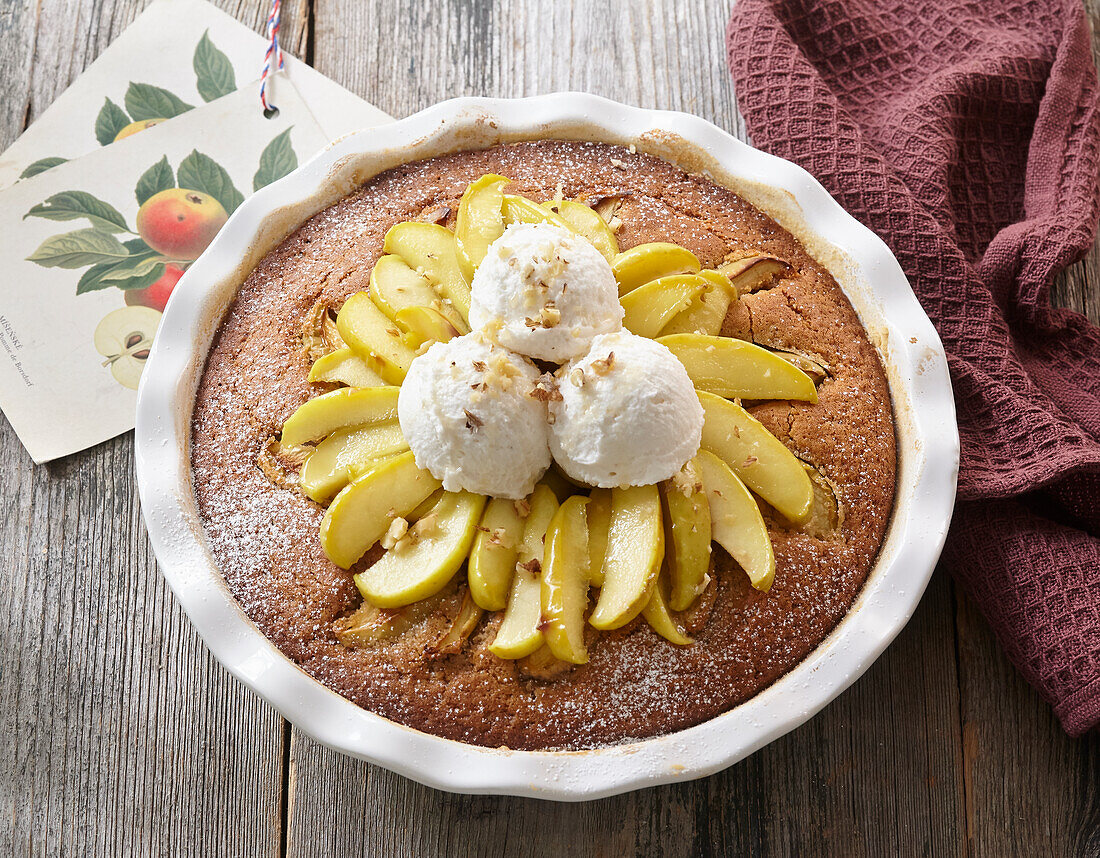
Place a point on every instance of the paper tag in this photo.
(93, 247)
(177, 55)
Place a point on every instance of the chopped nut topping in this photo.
(480, 366)
(396, 532)
(577, 377)
(603, 366)
(531, 323)
(473, 422)
(481, 385)
(550, 315)
(546, 389)
(425, 525)
(499, 536)
(750, 460)
(522, 507)
(533, 566)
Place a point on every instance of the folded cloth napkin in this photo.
(967, 135)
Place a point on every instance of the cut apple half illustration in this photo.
(124, 338)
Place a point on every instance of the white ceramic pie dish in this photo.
(928, 447)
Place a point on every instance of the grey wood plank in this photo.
(878, 771)
(119, 733)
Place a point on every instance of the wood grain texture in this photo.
(120, 735)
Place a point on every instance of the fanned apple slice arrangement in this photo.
(643, 549)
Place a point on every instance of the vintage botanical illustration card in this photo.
(94, 247)
(177, 55)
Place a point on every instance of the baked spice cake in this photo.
(548, 445)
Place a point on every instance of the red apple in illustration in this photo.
(156, 295)
(135, 127)
(178, 223)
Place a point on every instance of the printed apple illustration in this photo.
(156, 295)
(178, 223)
(124, 337)
(135, 127)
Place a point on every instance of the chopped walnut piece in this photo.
(473, 422)
(533, 566)
(577, 377)
(749, 461)
(531, 323)
(396, 532)
(480, 366)
(522, 507)
(546, 389)
(603, 366)
(550, 315)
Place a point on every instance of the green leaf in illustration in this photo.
(134, 267)
(79, 248)
(276, 161)
(199, 172)
(154, 180)
(110, 121)
(213, 72)
(145, 101)
(95, 278)
(71, 205)
(41, 166)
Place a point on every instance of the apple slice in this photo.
(463, 625)
(635, 551)
(645, 262)
(565, 581)
(756, 456)
(520, 633)
(339, 409)
(586, 221)
(493, 555)
(656, 613)
(738, 369)
(394, 286)
(749, 273)
(706, 313)
(653, 305)
(426, 325)
(736, 523)
(687, 521)
(344, 366)
(364, 510)
(480, 221)
(599, 521)
(347, 453)
(424, 561)
(519, 209)
(429, 249)
(374, 337)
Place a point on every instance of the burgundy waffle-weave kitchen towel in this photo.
(966, 133)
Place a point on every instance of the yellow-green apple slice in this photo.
(339, 409)
(738, 369)
(480, 221)
(756, 456)
(424, 561)
(463, 625)
(429, 249)
(736, 523)
(493, 555)
(565, 581)
(344, 366)
(394, 286)
(346, 454)
(653, 305)
(426, 325)
(520, 633)
(656, 613)
(645, 262)
(363, 511)
(599, 521)
(374, 337)
(635, 551)
(586, 221)
(519, 209)
(705, 314)
(687, 522)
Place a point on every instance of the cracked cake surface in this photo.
(263, 532)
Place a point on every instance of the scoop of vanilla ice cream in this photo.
(544, 292)
(472, 415)
(628, 414)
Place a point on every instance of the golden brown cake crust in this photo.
(636, 684)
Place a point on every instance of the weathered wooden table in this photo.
(120, 735)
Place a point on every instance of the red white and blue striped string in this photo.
(273, 59)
